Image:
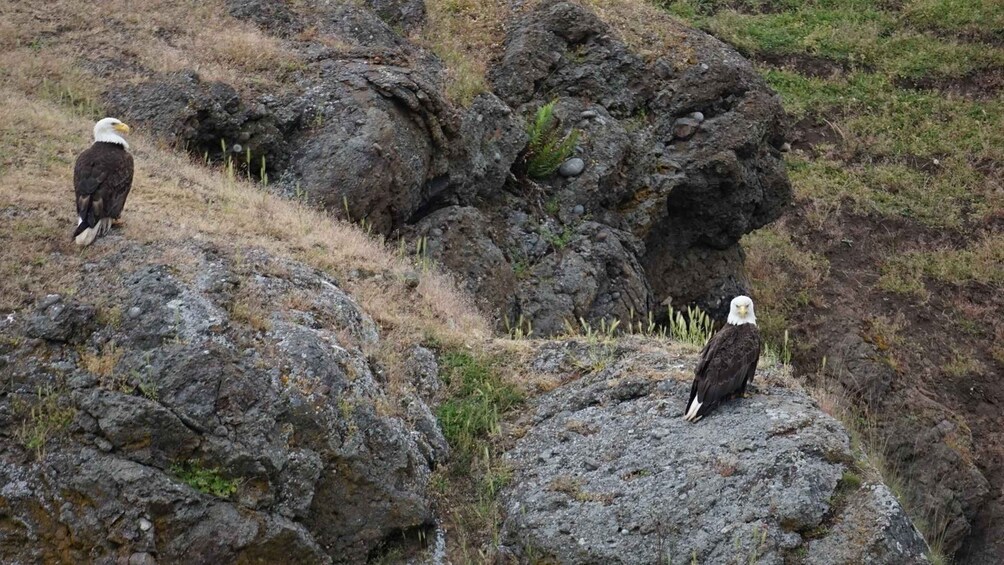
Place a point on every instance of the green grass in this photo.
(205, 480)
(470, 418)
(695, 328)
(478, 398)
(42, 419)
(853, 33)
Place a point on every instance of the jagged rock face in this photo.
(202, 117)
(931, 444)
(608, 472)
(680, 159)
(250, 371)
(685, 199)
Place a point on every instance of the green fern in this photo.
(547, 150)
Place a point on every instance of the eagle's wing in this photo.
(724, 368)
(732, 365)
(89, 176)
(119, 183)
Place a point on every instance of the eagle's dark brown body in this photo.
(725, 368)
(102, 178)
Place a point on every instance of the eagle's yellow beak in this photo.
(742, 311)
(123, 128)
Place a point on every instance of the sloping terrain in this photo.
(61, 66)
(888, 273)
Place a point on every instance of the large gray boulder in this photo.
(608, 472)
(219, 410)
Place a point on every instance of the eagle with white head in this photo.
(727, 363)
(102, 178)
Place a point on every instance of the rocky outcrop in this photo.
(608, 472)
(219, 410)
(678, 155)
(210, 119)
(932, 445)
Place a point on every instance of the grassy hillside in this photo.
(897, 232)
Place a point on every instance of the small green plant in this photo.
(41, 420)
(521, 328)
(479, 399)
(557, 241)
(547, 148)
(208, 481)
(696, 328)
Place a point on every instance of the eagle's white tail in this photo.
(87, 236)
(692, 410)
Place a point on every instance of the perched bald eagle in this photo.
(727, 364)
(102, 178)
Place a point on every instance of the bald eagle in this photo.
(102, 178)
(727, 363)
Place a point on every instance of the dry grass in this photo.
(650, 31)
(49, 42)
(175, 199)
(102, 363)
(465, 34)
(784, 276)
(468, 34)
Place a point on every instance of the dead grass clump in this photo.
(465, 34)
(245, 50)
(647, 29)
(102, 364)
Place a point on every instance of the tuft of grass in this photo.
(695, 328)
(465, 34)
(41, 419)
(103, 363)
(478, 398)
(981, 262)
(205, 480)
(547, 149)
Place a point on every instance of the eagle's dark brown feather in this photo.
(726, 366)
(102, 178)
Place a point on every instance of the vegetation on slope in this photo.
(898, 146)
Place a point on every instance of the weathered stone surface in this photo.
(609, 472)
(217, 372)
(368, 135)
(405, 14)
(460, 239)
(202, 116)
(60, 320)
(593, 276)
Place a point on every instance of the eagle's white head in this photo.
(109, 130)
(741, 311)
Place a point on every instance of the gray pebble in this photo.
(50, 299)
(134, 312)
(579, 210)
(572, 167)
(588, 114)
(697, 116)
(685, 128)
(103, 444)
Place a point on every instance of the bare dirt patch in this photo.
(940, 351)
(806, 65)
(985, 84)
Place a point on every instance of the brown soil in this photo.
(806, 65)
(984, 84)
(811, 131)
(955, 320)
